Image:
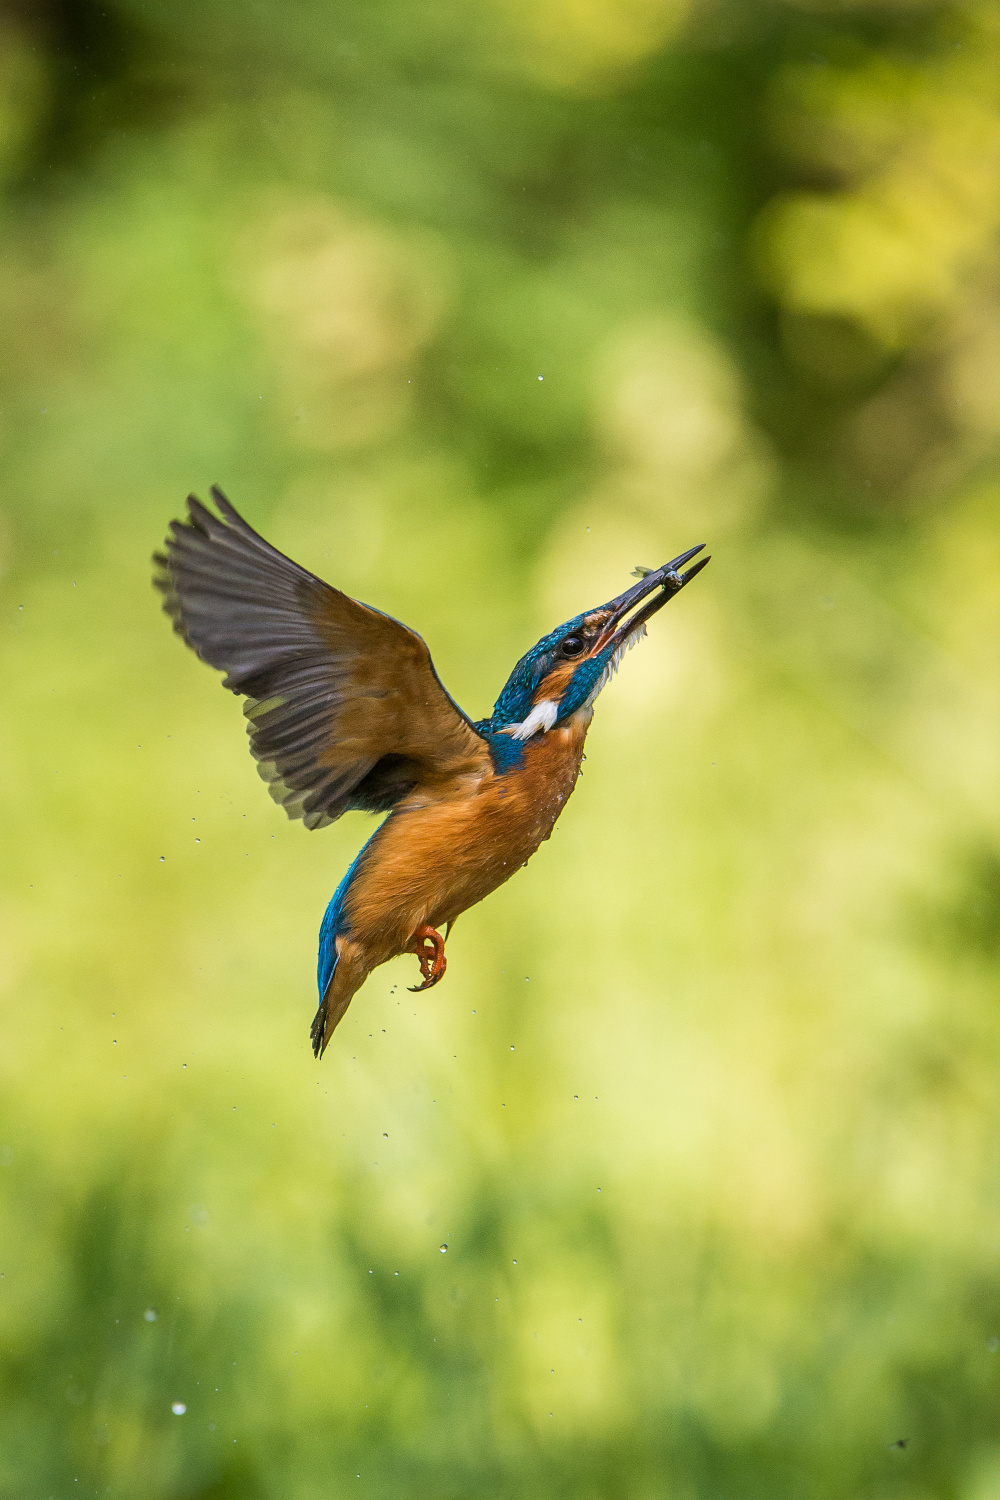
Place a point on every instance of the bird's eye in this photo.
(573, 645)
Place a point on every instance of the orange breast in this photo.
(432, 860)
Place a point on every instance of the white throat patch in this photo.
(542, 717)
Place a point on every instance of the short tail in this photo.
(317, 1031)
(344, 985)
(339, 975)
(325, 1021)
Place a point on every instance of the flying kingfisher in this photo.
(346, 711)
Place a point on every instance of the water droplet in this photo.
(513, 1262)
(162, 858)
(178, 1408)
(993, 1345)
(150, 1314)
(512, 1048)
(444, 1249)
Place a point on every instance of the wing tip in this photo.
(202, 519)
(165, 584)
(225, 505)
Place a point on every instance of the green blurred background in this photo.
(471, 308)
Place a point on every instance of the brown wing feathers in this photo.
(345, 708)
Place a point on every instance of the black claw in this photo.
(428, 983)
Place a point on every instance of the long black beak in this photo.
(662, 583)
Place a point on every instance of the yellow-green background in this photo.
(708, 1110)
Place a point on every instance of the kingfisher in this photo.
(346, 712)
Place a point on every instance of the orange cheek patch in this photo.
(555, 684)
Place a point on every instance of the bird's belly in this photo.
(430, 863)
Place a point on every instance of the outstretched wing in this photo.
(345, 708)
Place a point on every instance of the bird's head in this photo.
(569, 666)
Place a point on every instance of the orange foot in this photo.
(428, 945)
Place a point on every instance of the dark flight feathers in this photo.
(345, 708)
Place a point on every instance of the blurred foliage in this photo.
(686, 1183)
